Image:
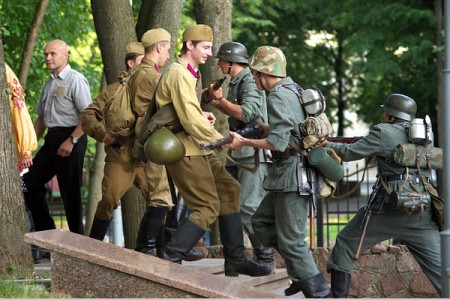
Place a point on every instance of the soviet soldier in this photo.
(280, 220)
(415, 229)
(244, 104)
(151, 179)
(210, 192)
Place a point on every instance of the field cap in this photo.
(135, 47)
(154, 36)
(199, 32)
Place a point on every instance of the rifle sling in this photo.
(222, 151)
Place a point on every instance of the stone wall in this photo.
(381, 272)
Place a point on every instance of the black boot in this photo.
(340, 283)
(35, 250)
(264, 255)
(314, 287)
(232, 237)
(184, 239)
(99, 229)
(151, 223)
(160, 241)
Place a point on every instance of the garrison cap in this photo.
(199, 32)
(154, 36)
(269, 60)
(135, 47)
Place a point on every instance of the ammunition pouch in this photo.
(409, 201)
(278, 156)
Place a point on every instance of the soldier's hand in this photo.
(210, 117)
(236, 143)
(108, 139)
(215, 94)
(322, 143)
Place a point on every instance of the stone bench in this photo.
(84, 267)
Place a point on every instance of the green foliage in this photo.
(11, 289)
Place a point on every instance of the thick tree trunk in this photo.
(160, 13)
(114, 24)
(31, 41)
(15, 254)
(216, 14)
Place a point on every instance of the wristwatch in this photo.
(74, 139)
(218, 101)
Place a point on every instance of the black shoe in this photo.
(36, 254)
(264, 255)
(99, 229)
(232, 237)
(314, 287)
(340, 283)
(194, 255)
(149, 229)
(184, 239)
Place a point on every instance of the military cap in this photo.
(269, 60)
(154, 36)
(199, 32)
(135, 47)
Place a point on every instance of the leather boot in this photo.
(264, 255)
(314, 287)
(232, 237)
(35, 250)
(340, 283)
(184, 239)
(99, 229)
(160, 241)
(151, 223)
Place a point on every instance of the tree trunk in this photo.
(15, 254)
(31, 41)
(95, 184)
(216, 14)
(160, 13)
(133, 208)
(113, 22)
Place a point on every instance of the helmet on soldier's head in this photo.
(163, 147)
(233, 52)
(400, 106)
(269, 60)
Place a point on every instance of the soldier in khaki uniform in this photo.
(120, 174)
(243, 103)
(208, 189)
(280, 220)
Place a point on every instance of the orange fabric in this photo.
(24, 133)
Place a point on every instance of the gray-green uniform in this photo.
(243, 91)
(416, 230)
(280, 220)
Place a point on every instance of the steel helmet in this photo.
(233, 52)
(163, 147)
(269, 60)
(400, 106)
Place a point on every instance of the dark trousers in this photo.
(68, 171)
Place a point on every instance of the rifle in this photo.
(205, 94)
(344, 139)
(312, 178)
(255, 130)
(375, 204)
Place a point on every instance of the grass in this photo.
(12, 289)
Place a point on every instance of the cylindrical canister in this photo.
(320, 159)
(417, 131)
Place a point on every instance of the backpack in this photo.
(118, 113)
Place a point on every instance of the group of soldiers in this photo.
(266, 203)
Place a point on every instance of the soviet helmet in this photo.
(233, 52)
(269, 60)
(400, 106)
(163, 147)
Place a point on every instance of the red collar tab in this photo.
(191, 69)
(156, 68)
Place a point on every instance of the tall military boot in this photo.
(340, 283)
(232, 237)
(151, 223)
(314, 287)
(264, 255)
(184, 239)
(99, 229)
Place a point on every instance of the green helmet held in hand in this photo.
(400, 106)
(269, 60)
(163, 147)
(233, 52)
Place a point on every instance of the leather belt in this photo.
(415, 178)
(280, 156)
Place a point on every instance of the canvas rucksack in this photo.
(118, 114)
